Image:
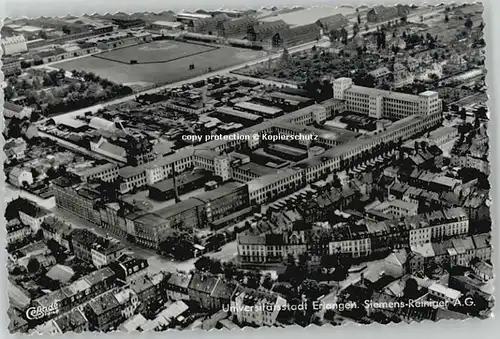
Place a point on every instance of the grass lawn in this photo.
(143, 75)
(158, 51)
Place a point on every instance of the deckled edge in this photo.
(488, 17)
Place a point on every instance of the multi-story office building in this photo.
(378, 103)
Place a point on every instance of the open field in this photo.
(141, 76)
(157, 51)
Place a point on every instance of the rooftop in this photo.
(309, 15)
(448, 292)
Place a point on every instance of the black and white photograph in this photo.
(246, 167)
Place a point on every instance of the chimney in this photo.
(362, 276)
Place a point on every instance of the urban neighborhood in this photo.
(223, 169)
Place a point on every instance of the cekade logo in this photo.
(34, 313)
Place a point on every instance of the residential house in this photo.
(15, 148)
(258, 308)
(420, 257)
(395, 264)
(177, 286)
(16, 231)
(146, 293)
(482, 243)
(94, 249)
(209, 291)
(20, 177)
(128, 268)
(34, 215)
(73, 321)
(15, 111)
(382, 75)
(104, 312)
(57, 229)
(79, 291)
(483, 270)
(465, 251)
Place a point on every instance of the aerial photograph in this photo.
(230, 168)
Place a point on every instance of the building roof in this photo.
(56, 225)
(13, 107)
(219, 192)
(104, 303)
(73, 123)
(173, 311)
(183, 179)
(253, 297)
(179, 280)
(133, 323)
(178, 208)
(141, 284)
(96, 169)
(100, 123)
(71, 320)
(106, 146)
(239, 114)
(425, 250)
(99, 275)
(245, 105)
(482, 240)
(61, 273)
(203, 283)
(264, 181)
(448, 292)
(380, 72)
(309, 15)
(223, 290)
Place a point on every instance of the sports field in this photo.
(145, 75)
(157, 51)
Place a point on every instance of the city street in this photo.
(156, 262)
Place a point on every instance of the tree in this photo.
(446, 18)
(9, 92)
(268, 281)
(355, 29)
(463, 114)
(468, 24)
(285, 57)
(334, 35)
(33, 265)
(329, 261)
(203, 264)
(310, 288)
(216, 267)
(404, 19)
(367, 28)
(336, 181)
(411, 289)
(229, 270)
(359, 18)
(344, 35)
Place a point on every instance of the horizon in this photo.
(16, 9)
